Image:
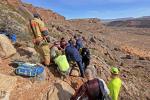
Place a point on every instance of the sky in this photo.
(103, 9)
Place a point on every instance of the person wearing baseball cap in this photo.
(115, 83)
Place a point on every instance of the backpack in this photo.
(85, 53)
(62, 63)
(96, 91)
(29, 70)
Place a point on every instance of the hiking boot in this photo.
(83, 76)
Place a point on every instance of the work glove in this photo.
(48, 39)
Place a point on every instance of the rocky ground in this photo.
(127, 48)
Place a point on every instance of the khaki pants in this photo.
(44, 52)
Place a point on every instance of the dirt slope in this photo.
(127, 48)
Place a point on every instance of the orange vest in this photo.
(38, 26)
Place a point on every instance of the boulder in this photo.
(28, 51)
(92, 39)
(75, 72)
(7, 84)
(141, 58)
(60, 28)
(60, 91)
(128, 57)
(0, 60)
(26, 54)
(75, 82)
(6, 47)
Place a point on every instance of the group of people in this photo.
(96, 89)
(66, 53)
(71, 49)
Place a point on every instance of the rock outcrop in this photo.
(47, 15)
(60, 91)
(15, 3)
(7, 84)
(6, 48)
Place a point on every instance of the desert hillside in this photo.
(110, 45)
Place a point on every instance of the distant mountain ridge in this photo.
(117, 19)
(140, 22)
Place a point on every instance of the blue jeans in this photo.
(81, 67)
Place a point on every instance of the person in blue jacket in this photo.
(79, 42)
(73, 54)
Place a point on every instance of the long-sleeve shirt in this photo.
(72, 53)
(114, 87)
(54, 52)
(79, 43)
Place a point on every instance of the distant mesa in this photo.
(141, 22)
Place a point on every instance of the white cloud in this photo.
(122, 13)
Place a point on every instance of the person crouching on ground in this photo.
(59, 58)
(55, 50)
(115, 83)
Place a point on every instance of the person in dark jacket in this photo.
(79, 42)
(73, 55)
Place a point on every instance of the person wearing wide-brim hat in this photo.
(115, 83)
